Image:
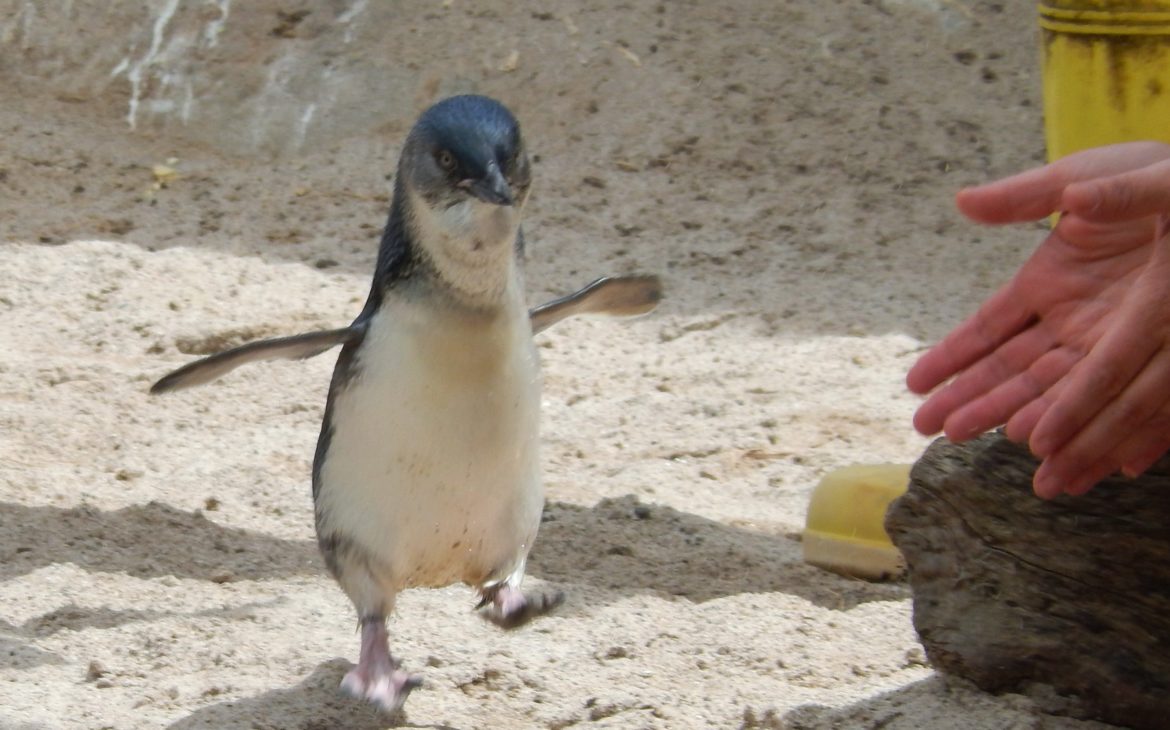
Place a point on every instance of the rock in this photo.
(1067, 601)
(95, 671)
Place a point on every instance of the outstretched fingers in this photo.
(1002, 402)
(1052, 479)
(1103, 376)
(1028, 196)
(975, 384)
(999, 319)
(1145, 447)
(1125, 430)
(1020, 426)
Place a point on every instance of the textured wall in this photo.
(252, 77)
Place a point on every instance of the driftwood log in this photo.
(1068, 600)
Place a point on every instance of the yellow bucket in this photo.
(1106, 68)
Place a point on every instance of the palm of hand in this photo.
(1030, 333)
(1071, 292)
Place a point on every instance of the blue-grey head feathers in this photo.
(466, 145)
(462, 148)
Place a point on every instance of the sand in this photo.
(787, 168)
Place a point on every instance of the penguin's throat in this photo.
(471, 245)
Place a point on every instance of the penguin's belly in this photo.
(433, 464)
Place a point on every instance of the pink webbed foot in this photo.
(378, 678)
(511, 608)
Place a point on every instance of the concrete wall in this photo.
(253, 77)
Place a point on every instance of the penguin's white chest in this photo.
(433, 464)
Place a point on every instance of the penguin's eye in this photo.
(445, 159)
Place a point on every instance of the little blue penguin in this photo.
(426, 471)
(427, 467)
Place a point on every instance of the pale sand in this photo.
(787, 169)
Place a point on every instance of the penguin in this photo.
(426, 471)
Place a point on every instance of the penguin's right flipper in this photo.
(296, 347)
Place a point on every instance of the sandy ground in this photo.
(787, 168)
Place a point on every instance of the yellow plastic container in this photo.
(1106, 68)
(844, 530)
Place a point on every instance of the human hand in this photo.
(1073, 353)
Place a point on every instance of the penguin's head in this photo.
(466, 148)
(463, 179)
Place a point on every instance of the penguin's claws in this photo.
(387, 691)
(510, 608)
(378, 677)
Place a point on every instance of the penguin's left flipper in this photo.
(621, 296)
(296, 347)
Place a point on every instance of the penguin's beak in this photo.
(491, 188)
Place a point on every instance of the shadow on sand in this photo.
(616, 547)
(624, 546)
(314, 704)
(144, 541)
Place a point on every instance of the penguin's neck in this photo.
(471, 248)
